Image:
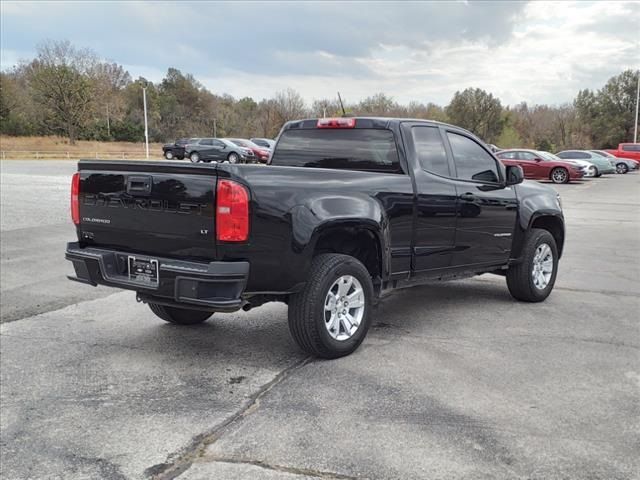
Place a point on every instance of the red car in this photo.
(261, 153)
(537, 166)
(628, 151)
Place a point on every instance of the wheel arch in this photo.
(355, 239)
(550, 221)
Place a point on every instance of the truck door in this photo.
(435, 221)
(486, 208)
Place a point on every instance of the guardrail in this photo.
(71, 155)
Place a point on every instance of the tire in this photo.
(308, 317)
(233, 157)
(596, 172)
(622, 168)
(520, 277)
(179, 316)
(194, 157)
(559, 175)
(168, 155)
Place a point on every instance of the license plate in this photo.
(143, 270)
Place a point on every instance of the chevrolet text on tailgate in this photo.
(347, 210)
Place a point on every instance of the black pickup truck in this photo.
(347, 210)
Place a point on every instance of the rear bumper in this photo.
(210, 286)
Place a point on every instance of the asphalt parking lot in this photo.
(455, 380)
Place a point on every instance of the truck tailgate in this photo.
(164, 209)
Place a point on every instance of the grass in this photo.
(58, 147)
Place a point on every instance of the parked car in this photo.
(602, 164)
(338, 219)
(623, 165)
(537, 167)
(627, 150)
(588, 168)
(261, 153)
(218, 150)
(264, 142)
(176, 149)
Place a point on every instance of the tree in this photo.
(59, 78)
(478, 111)
(288, 105)
(608, 115)
(377, 105)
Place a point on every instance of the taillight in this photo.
(75, 198)
(232, 212)
(336, 123)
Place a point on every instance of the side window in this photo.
(430, 150)
(566, 155)
(206, 141)
(527, 156)
(508, 155)
(217, 143)
(582, 155)
(631, 148)
(472, 161)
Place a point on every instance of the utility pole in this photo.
(146, 128)
(215, 128)
(635, 130)
(108, 126)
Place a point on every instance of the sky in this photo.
(538, 52)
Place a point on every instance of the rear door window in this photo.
(472, 161)
(430, 150)
(206, 141)
(366, 149)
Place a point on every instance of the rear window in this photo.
(369, 150)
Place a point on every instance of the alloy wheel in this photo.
(559, 175)
(542, 266)
(344, 307)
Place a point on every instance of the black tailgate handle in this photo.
(139, 184)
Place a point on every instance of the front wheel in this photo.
(194, 157)
(233, 158)
(533, 278)
(622, 168)
(179, 316)
(331, 316)
(168, 155)
(596, 172)
(560, 175)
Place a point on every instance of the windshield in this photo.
(243, 143)
(549, 156)
(602, 154)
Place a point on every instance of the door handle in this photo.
(468, 197)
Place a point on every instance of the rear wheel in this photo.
(331, 316)
(622, 168)
(179, 316)
(168, 155)
(194, 157)
(533, 279)
(559, 175)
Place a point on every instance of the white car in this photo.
(588, 168)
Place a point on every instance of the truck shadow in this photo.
(261, 337)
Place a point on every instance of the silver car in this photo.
(623, 165)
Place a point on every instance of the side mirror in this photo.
(515, 174)
(537, 159)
